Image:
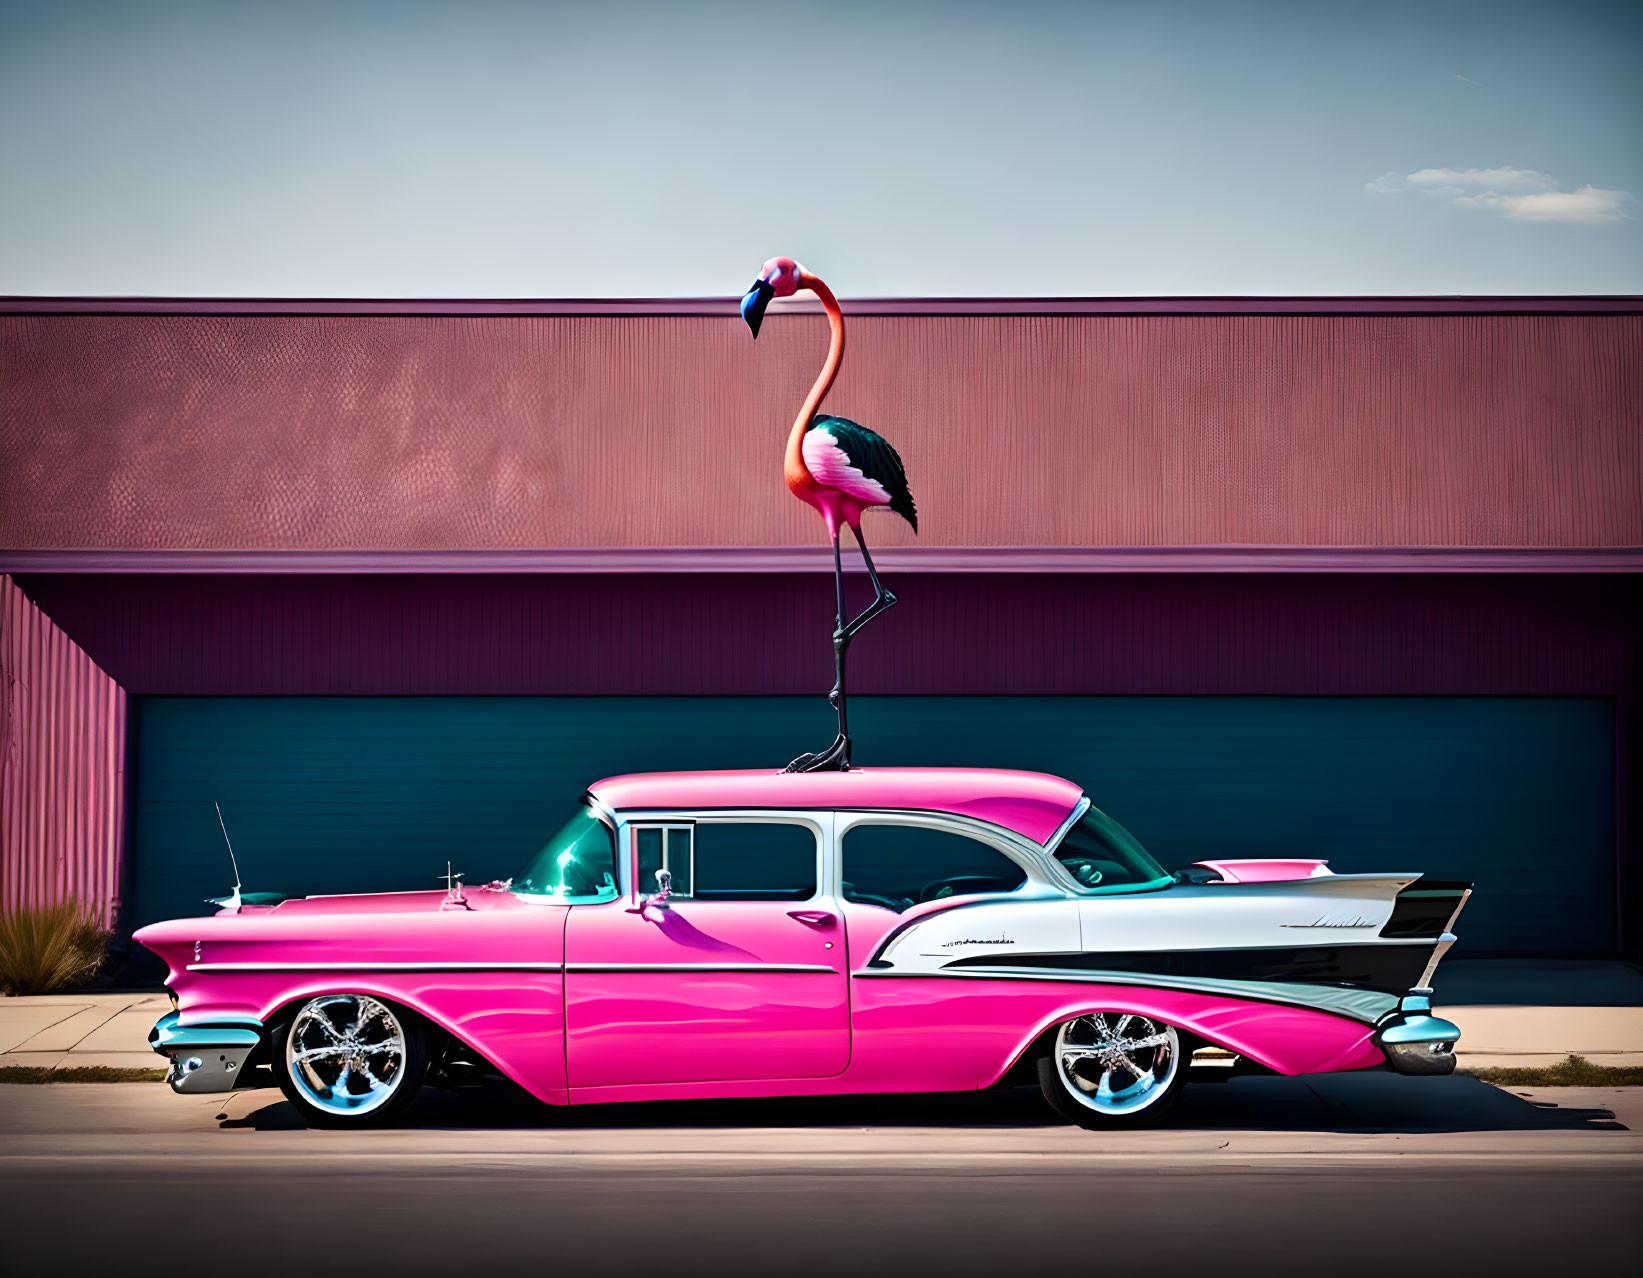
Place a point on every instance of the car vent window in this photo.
(663, 847)
(898, 866)
(754, 861)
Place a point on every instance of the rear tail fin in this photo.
(1427, 908)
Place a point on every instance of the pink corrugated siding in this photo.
(498, 432)
(62, 765)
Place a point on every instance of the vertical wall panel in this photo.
(62, 766)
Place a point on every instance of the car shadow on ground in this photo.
(1364, 1102)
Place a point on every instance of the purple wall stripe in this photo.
(679, 634)
(62, 766)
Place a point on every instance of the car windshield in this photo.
(578, 863)
(1105, 857)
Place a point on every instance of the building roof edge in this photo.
(928, 307)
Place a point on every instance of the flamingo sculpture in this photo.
(842, 469)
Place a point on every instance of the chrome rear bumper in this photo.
(1415, 1041)
(205, 1058)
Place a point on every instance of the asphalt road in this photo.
(1338, 1175)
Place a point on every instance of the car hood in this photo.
(386, 903)
(228, 921)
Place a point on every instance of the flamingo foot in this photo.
(836, 758)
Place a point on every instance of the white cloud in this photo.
(1589, 204)
(1525, 195)
(1440, 181)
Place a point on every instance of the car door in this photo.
(739, 974)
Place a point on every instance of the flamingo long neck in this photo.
(798, 474)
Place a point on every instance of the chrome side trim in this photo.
(603, 810)
(1459, 906)
(1444, 942)
(1073, 818)
(901, 929)
(1440, 949)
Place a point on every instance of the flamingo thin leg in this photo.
(841, 643)
(836, 758)
(883, 600)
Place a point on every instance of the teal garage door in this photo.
(348, 794)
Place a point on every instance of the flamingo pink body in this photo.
(841, 492)
(819, 467)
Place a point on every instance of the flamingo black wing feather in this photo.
(873, 455)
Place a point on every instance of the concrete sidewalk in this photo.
(1505, 1035)
(66, 1031)
(61, 1031)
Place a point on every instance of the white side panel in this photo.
(997, 930)
(1339, 909)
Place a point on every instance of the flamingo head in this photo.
(779, 277)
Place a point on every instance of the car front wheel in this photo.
(1112, 1069)
(350, 1060)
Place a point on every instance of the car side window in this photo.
(753, 861)
(898, 866)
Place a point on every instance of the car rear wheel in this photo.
(350, 1060)
(1112, 1069)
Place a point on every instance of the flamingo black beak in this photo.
(758, 297)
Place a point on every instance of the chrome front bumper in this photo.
(205, 1058)
(1415, 1041)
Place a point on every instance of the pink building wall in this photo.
(62, 766)
(286, 430)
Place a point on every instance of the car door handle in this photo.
(816, 918)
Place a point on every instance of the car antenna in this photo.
(228, 902)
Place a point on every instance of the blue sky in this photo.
(603, 150)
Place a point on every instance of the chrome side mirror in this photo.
(658, 898)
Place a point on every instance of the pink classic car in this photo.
(756, 934)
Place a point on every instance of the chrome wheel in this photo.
(1117, 1063)
(346, 1054)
